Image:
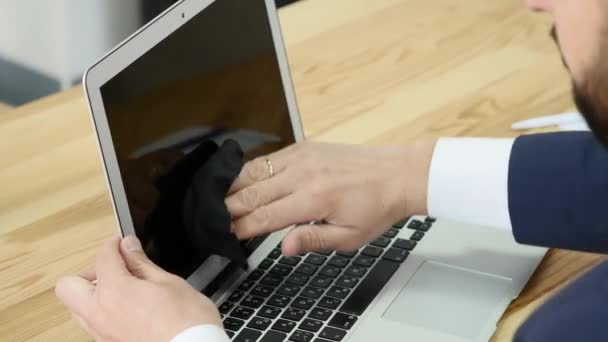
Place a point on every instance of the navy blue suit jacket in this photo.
(558, 197)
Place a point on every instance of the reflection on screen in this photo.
(215, 79)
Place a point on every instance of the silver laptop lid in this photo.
(220, 73)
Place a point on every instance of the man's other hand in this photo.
(128, 298)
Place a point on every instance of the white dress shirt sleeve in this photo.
(468, 181)
(202, 333)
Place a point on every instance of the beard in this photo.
(590, 96)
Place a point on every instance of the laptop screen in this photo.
(215, 78)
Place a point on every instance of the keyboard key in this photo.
(381, 242)
(226, 307)
(274, 336)
(425, 226)
(405, 244)
(401, 223)
(343, 321)
(301, 336)
(371, 251)
(333, 334)
(329, 303)
(307, 269)
(269, 312)
(347, 254)
(246, 285)
(312, 292)
(289, 290)
(284, 325)
(236, 296)
(430, 219)
(417, 236)
(320, 314)
(396, 255)
(264, 265)
(281, 270)
(321, 281)
(259, 323)
(271, 280)
(262, 291)
(298, 279)
(233, 324)
(279, 301)
(364, 261)
(369, 288)
(415, 224)
(291, 261)
(347, 281)
(356, 271)
(294, 314)
(391, 233)
(315, 259)
(255, 275)
(242, 313)
(303, 303)
(248, 335)
(311, 325)
(252, 302)
(326, 253)
(338, 292)
(339, 261)
(330, 271)
(275, 254)
(230, 333)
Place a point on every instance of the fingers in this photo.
(109, 264)
(248, 199)
(76, 293)
(319, 238)
(136, 260)
(89, 274)
(258, 169)
(255, 171)
(293, 209)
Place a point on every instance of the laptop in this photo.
(216, 70)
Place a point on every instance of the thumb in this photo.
(137, 261)
(319, 238)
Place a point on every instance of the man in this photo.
(548, 189)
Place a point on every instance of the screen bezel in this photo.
(128, 52)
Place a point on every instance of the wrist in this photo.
(416, 164)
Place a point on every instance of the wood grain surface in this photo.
(373, 72)
(4, 107)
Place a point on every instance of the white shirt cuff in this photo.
(468, 181)
(202, 333)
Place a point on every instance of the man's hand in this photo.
(133, 299)
(354, 192)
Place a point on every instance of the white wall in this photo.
(60, 38)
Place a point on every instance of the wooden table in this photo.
(4, 107)
(375, 72)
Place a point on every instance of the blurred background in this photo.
(47, 44)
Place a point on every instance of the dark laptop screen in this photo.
(215, 78)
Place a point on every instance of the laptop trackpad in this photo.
(449, 299)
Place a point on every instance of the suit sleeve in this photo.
(558, 191)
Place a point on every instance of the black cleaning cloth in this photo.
(206, 217)
(190, 221)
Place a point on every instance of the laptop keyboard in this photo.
(318, 297)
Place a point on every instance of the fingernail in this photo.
(132, 244)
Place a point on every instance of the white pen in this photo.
(549, 120)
